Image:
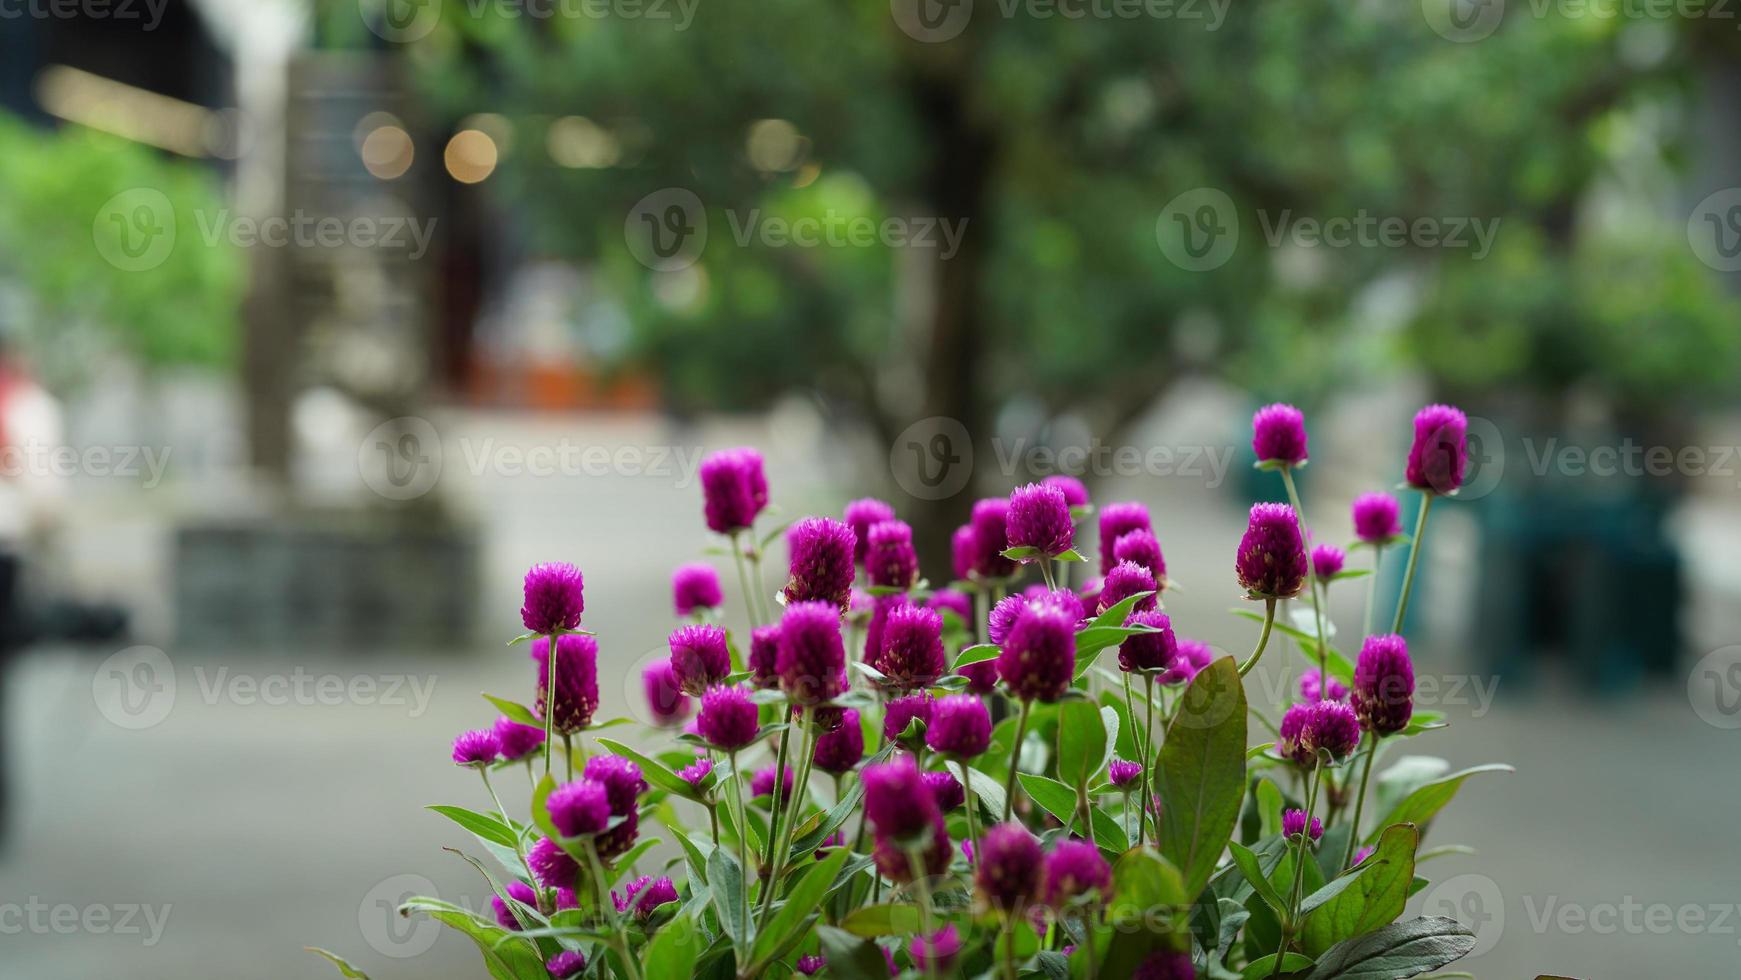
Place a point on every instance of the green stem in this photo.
(1046, 573)
(777, 807)
(1360, 801)
(550, 701)
(568, 753)
(972, 806)
(1288, 924)
(1007, 937)
(1269, 621)
(1148, 753)
(1408, 576)
(982, 614)
(616, 941)
(794, 806)
(922, 885)
(1009, 799)
(743, 828)
(737, 557)
(519, 849)
(1372, 590)
(1311, 578)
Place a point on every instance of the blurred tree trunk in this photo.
(268, 365)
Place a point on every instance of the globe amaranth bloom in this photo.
(1141, 547)
(728, 718)
(1312, 687)
(623, 786)
(1294, 823)
(945, 790)
(699, 656)
(949, 600)
(1272, 558)
(1278, 435)
(520, 892)
(1384, 684)
(811, 656)
(1440, 452)
(1375, 518)
(551, 865)
(1363, 854)
(764, 652)
(912, 652)
(580, 807)
(555, 598)
(840, 750)
(1327, 561)
(881, 607)
(811, 965)
(1003, 616)
(1166, 966)
(963, 552)
(566, 965)
(762, 784)
(1010, 866)
(1124, 774)
(665, 697)
(1074, 868)
(645, 894)
(576, 697)
(820, 566)
(1075, 494)
(478, 748)
(1038, 659)
(1311, 727)
(734, 489)
(860, 515)
(695, 586)
(1039, 518)
(900, 712)
(960, 726)
(1063, 599)
(696, 771)
(890, 560)
(896, 802)
(981, 676)
(1148, 651)
(990, 521)
(892, 860)
(1190, 658)
(1126, 579)
(1116, 521)
(1089, 593)
(517, 741)
(936, 953)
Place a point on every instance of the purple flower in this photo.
(1062, 599)
(520, 892)
(699, 656)
(936, 953)
(821, 562)
(1326, 561)
(1440, 450)
(1312, 687)
(959, 726)
(1278, 435)
(1116, 521)
(860, 515)
(1308, 727)
(728, 718)
(1003, 616)
(952, 601)
(576, 680)
(517, 741)
(1384, 684)
(1039, 518)
(890, 560)
(1038, 660)
(1140, 546)
(762, 784)
(1075, 494)
(945, 790)
(1166, 966)
(565, 965)
(900, 712)
(881, 607)
(695, 586)
(551, 864)
(990, 521)
(912, 648)
(623, 785)
(1272, 558)
(1375, 518)
(1123, 774)
(1010, 865)
(811, 965)
(1294, 822)
(1090, 592)
(696, 771)
(1074, 868)
(580, 807)
(981, 676)
(963, 551)
(811, 658)
(1148, 651)
(734, 489)
(896, 801)
(555, 598)
(1363, 853)
(1191, 657)
(477, 748)
(1126, 579)
(838, 751)
(665, 697)
(645, 894)
(764, 653)
(890, 853)
(829, 843)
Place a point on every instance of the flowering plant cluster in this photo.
(1013, 775)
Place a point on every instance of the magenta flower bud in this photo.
(566, 965)
(840, 750)
(960, 726)
(478, 748)
(551, 865)
(981, 676)
(555, 598)
(620, 778)
(1148, 651)
(1278, 435)
(1312, 688)
(1272, 558)
(734, 489)
(811, 965)
(1063, 600)
(696, 771)
(881, 608)
(1074, 868)
(945, 790)
(1375, 518)
(645, 894)
(1363, 854)
(820, 566)
(695, 586)
(1190, 658)
(762, 784)
(699, 656)
(1003, 616)
(1294, 823)
(990, 521)
(764, 653)
(1039, 518)
(936, 953)
(665, 697)
(728, 718)
(1384, 684)
(1124, 774)
(1038, 660)
(576, 681)
(952, 601)
(896, 801)
(1075, 494)
(900, 712)
(891, 859)
(860, 516)
(1307, 728)
(1139, 546)
(1116, 521)
(829, 843)
(890, 560)
(1166, 966)
(912, 648)
(811, 658)
(1126, 579)
(580, 807)
(520, 892)
(517, 741)
(1010, 866)
(963, 551)
(1440, 451)
(1326, 561)
(1090, 592)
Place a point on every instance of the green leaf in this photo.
(1340, 668)
(987, 790)
(1381, 889)
(344, 968)
(1090, 641)
(1399, 950)
(540, 814)
(506, 956)
(1052, 796)
(1253, 871)
(1333, 888)
(1263, 969)
(515, 711)
(826, 823)
(978, 653)
(1116, 614)
(674, 949)
(1081, 742)
(484, 826)
(805, 898)
(1269, 808)
(653, 770)
(1147, 913)
(849, 957)
(1023, 552)
(1420, 806)
(1201, 772)
(894, 919)
(726, 880)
